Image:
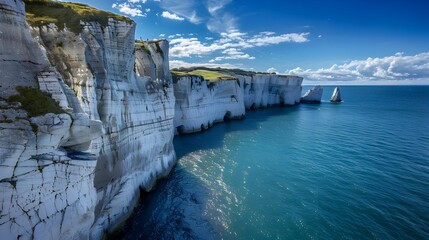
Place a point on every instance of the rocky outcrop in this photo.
(46, 191)
(265, 90)
(314, 95)
(77, 175)
(336, 95)
(200, 103)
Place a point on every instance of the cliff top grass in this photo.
(142, 45)
(44, 12)
(210, 75)
(36, 102)
(224, 71)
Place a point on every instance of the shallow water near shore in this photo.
(355, 170)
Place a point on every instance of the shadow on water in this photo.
(173, 210)
(213, 138)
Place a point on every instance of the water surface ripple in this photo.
(354, 170)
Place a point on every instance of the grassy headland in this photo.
(211, 75)
(44, 12)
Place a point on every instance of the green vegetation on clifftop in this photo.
(211, 75)
(223, 71)
(142, 45)
(36, 102)
(44, 12)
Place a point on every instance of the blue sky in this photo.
(324, 41)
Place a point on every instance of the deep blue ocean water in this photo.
(354, 170)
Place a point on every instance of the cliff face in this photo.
(20, 56)
(77, 174)
(200, 103)
(264, 90)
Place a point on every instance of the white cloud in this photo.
(396, 67)
(137, 1)
(128, 9)
(215, 5)
(179, 63)
(162, 35)
(232, 53)
(267, 33)
(265, 40)
(222, 23)
(271, 70)
(172, 16)
(231, 41)
(217, 20)
(232, 57)
(181, 8)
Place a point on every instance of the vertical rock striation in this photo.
(265, 90)
(77, 175)
(20, 56)
(200, 103)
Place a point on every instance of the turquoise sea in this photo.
(354, 170)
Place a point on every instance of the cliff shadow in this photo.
(174, 209)
(213, 137)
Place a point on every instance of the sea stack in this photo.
(314, 95)
(336, 96)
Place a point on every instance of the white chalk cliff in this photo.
(336, 95)
(200, 103)
(313, 95)
(76, 175)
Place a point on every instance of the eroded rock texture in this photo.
(77, 175)
(200, 103)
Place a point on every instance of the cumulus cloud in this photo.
(231, 41)
(232, 53)
(396, 67)
(171, 16)
(137, 1)
(128, 9)
(265, 40)
(271, 70)
(235, 57)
